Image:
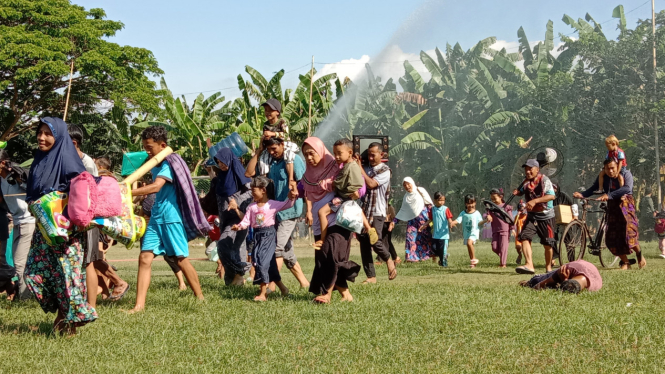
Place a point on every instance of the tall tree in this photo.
(39, 40)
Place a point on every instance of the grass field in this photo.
(429, 319)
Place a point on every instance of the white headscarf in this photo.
(413, 202)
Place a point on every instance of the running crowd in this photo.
(251, 211)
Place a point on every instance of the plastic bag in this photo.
(49, 212)
(350, 216)
(211, 251)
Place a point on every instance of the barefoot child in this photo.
(348, 181)
(519, 224)
(261, 216)
(167, 233)
(614, 152)
(500, 229)
(442, 221)
(470, 219)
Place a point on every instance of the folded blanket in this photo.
(196, 224)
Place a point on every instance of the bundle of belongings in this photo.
(91, 202)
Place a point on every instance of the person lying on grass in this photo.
(572, 277)
(261, 216)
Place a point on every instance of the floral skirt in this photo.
(55, 276)
(622, 226)
(418, 244)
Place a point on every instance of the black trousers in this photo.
(378, 247)
(387, 237)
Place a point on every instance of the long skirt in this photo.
(232, 250)
(622, 226)
(263, 256)
(331, 262)
(418, 243)
(55, 276)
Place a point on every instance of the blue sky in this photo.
(204, 45)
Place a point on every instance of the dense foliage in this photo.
(39, 40)
(461, 131)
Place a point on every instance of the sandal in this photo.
(524, 270)
(119, 297)
(474, 262)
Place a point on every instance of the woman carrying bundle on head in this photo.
(54, 273)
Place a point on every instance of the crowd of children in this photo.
(239, 207)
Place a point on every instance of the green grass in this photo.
(429, 319)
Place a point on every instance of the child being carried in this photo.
(614, 152)
(349, 181)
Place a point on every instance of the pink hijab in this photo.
(318, 179)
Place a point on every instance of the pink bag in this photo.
(109, 203)
(82, 199)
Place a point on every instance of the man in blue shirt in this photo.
(286, 219)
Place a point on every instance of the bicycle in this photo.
(577, 233)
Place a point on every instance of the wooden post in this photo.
(311, 91)
(69, 90)
(653, 99)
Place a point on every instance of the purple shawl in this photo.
(196, 224)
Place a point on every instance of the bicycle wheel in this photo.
(607, 259)
(572, 243)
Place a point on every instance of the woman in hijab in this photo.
(332, 268)
(233, 197)
(415, 211)
(54, 274)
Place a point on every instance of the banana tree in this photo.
(190, 126)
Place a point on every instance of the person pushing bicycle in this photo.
(622, 236)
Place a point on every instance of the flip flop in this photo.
(119, 297)
(524, 270)
(661, 256)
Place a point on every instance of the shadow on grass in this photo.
(43, 328)
(248, 292)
